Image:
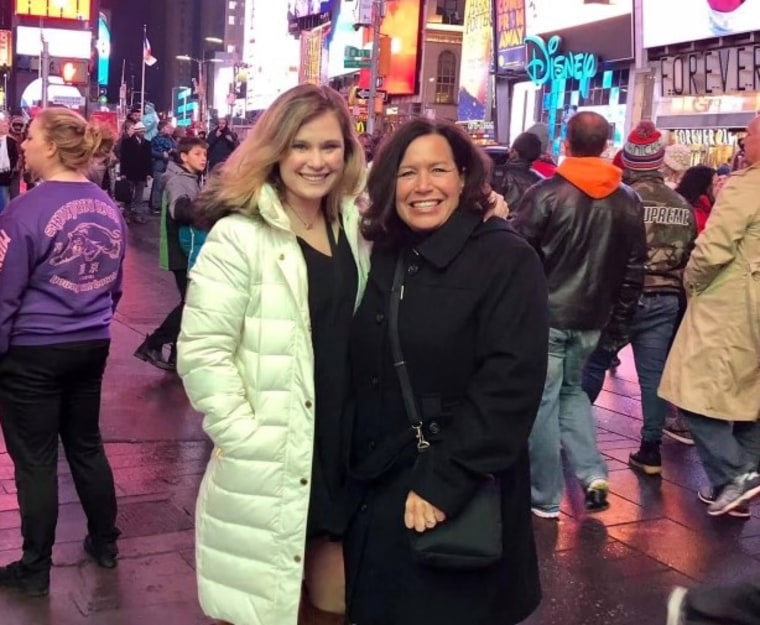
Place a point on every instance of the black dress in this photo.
(333, 283)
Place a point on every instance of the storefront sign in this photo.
(704, 136)
(546, 64)
(728, 70)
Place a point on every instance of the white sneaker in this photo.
(545, 514)
(675, 606)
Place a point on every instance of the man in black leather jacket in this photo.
(516, 176)
(588, 228)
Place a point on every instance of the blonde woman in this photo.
(263, 354)
(61, 254)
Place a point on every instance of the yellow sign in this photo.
(62, 9)
(6, 48)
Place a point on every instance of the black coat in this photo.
(513, 179)
(136, 159)
(474, 330)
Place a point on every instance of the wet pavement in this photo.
(613, 568)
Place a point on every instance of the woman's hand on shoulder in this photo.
(499, 207)
(421, 515)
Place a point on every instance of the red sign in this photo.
(403, 24)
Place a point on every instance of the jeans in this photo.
(46, 392)
(564, 421)
(168, 331)
(157, 187)
(727, 449)
(136, 205)
(652, 328)
(738, 604)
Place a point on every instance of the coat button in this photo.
(372, 445)
(297, 559)
(308, 404)
(363, 507)
(375, 382)
(304, 481)
(412, 269)
(282, 256)
(379, 318)
(434, 427)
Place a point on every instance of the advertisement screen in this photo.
(63, 9)
(664, 22)
(477, 58)
(548, 16)
(402, 24)
(343, 34)
(301, 8)
(104, 50)
(67, 44)
(510, 33)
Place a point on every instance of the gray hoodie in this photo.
(178, 183)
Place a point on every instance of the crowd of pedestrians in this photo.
(376, 351)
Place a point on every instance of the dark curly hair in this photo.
(695, 182)
(381, 223)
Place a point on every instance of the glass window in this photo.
(446, 78)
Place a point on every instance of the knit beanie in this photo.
(644, 149)
(678, 157)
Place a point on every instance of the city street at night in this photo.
(614, 568)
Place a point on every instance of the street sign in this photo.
(356, 63)
(363, 94)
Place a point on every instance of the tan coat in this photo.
(714, 365)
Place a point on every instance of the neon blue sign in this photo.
(545, 64)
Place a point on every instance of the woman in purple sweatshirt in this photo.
(61, 256)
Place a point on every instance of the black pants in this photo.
(47, 392)
(168, 331)
(738, 604)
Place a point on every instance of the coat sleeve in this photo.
(530, 217)
(489, 430)
(212, 323)
(18, 257)
(617, 332)
(716, 246)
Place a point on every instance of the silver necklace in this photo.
(308, 225)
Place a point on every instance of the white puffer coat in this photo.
(246, 359)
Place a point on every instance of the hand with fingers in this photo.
(421, 515)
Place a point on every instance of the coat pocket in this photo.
(753, 302)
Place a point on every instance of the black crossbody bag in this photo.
(473, 538)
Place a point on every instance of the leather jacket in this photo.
(513, 179)
(593, 248)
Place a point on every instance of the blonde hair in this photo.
(236, 186)
(77, 141)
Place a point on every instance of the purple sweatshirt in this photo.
(61, 255)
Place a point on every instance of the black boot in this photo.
(647, 459)
(153, 355)
(31, 583)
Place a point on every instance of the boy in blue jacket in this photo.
(180, 242)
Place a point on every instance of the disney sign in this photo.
(545, 64)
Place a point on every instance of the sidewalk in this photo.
(614, 568)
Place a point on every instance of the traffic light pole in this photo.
(378, 12)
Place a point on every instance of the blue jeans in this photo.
(157, 187)
(726, 449)
(651, 331)
(564, 421)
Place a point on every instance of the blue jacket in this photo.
(158, 145)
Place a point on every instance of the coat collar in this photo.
(273, 212)
(443, 245)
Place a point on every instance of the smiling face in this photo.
(752, 142)
(312, 166)
(428, 184)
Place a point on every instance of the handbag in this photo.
(473, 538)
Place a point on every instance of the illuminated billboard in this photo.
(65, 43)
(402, 23)
(510, 33)
(342, 34)
(302, 8)
(477, 58)
(104, 50)
(59, 9)
(548, 16)
(664, 22)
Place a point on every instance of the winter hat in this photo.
(542, 132)
(140, 127)
(644, 149)
(678, 157)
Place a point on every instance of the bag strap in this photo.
(399, 364)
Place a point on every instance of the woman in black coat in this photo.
(473, 325)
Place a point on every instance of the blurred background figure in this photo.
(677, 160)
(696, 186)
(221, 143)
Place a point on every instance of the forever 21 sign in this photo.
(727, 70)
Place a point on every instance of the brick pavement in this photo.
(614, 568)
